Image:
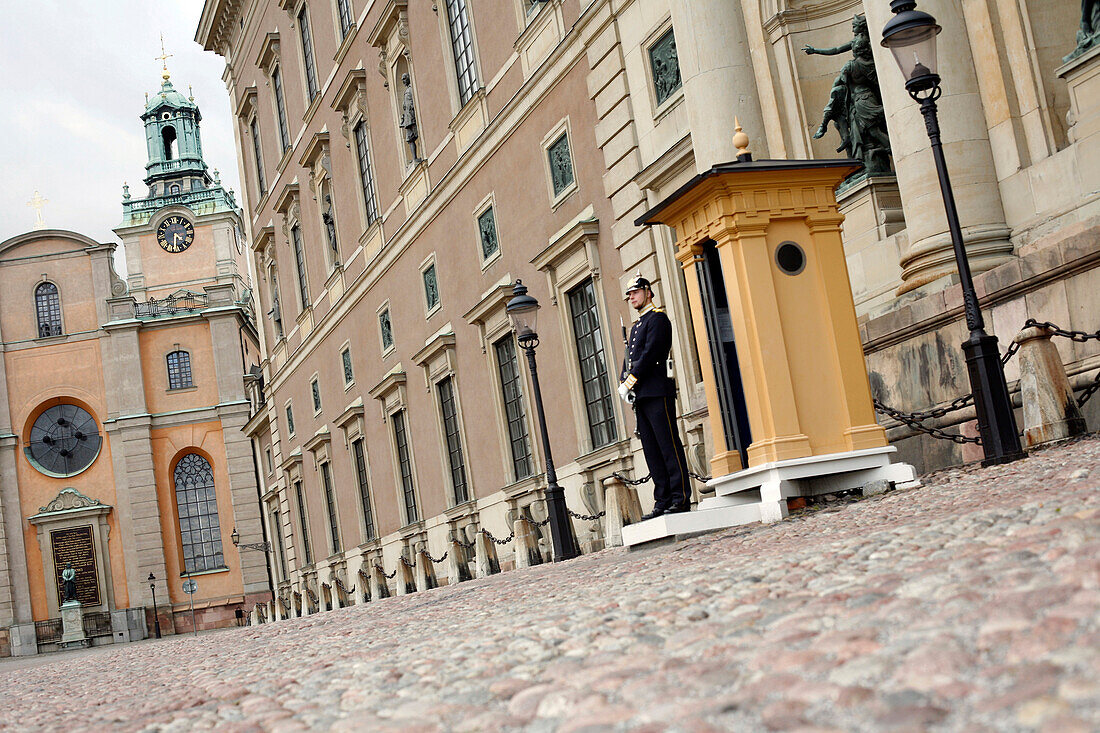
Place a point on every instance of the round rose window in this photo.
(64, 440)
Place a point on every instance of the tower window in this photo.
(168, 135)
(174, 188)
(179, 370)
(47, 304)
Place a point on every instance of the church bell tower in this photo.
(187, 232)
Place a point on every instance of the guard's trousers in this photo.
(664, 453)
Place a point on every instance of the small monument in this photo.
(72, 615)
(408, 117)
(1088, 35)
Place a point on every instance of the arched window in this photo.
(179, 370)
(168, 134)
(47, 306)
(174, 188)
(200, 534)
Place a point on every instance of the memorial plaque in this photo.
(76, 545)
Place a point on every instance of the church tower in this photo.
(187, 232)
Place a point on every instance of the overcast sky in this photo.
(73, 78)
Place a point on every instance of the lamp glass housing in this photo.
(523, 312)
(915, 53)
(235, 537)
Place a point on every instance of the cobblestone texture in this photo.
(969, 604)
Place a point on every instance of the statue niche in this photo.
(1088, 35)
(855, 103)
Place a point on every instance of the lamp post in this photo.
(911, 36)
(264, 546)
(156, 616)
(523, 310)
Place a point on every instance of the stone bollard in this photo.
(526, 543)
(622, 508)
(1050, 411)
(406, 581)
(425, 572)
(379, 588)
(458, 566)
(486, 556)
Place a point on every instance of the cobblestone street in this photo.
(968, 604)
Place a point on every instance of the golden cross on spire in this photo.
(37, 203)
(163, 58)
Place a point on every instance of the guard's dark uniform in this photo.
(655, 409)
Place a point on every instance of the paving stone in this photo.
(968, 604)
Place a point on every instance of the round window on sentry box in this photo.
(790, 258)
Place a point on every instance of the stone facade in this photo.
(153, 370)
(384, 300)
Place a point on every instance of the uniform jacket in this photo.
(650, 343)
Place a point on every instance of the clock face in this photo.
(175, 234)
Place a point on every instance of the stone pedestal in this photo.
(1050, 410)
(1082, 77)
(72, 625)
(872, 216)
(526, 543)
(622, 509)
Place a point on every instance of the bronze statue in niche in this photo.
(855, 103)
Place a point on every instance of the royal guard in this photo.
(646, 383)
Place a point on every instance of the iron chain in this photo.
(585, 517)
(387, 576)
(1079, 336)
(1012, 349)
(1089, 391)
(914, 422)
(444, 557)
(495, 541)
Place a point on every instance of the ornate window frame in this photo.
(439, 361)
(483, 206)
(563, 127)
(571, 257)
(492, 322)
(45, 280)
(429, 263)
(347, 362)
(315, 394)
(387, 349)
(392, 395)
(660, 109)
(351, 423)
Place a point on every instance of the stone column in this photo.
(928, 256)
(717, 73)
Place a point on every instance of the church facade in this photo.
(404, 163)
(121, 406)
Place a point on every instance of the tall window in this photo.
(179, 370)
(449, 409)
(307, 52)
(280, 108)
(364, 491)
(404, 464)
(330, 503)
(343, 9)
(366, 174)
(200, 533)
(300, 261)
(47, 306)
(307, 550)
(513, 407)
(255, 130)
(462, 43)
(597, 392)
(277, 532)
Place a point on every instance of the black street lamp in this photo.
(911, 36)
(523, 312)
(156, 616)
(264, 546)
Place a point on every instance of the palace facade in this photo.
(404, 163)
(121, 451)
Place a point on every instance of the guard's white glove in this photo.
(624, 391)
